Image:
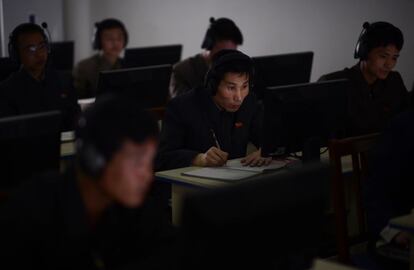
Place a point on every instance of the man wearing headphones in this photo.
(222, 33)
(377, 93)
(98, 214)
(35, 87)
(110, 39)
(211, 124)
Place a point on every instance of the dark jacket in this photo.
(188, 124)
(86, 74)
(44, 226)
(388, 192)
(370, 108)
(188, 74)
(22, 94)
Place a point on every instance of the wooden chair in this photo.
(357, 148)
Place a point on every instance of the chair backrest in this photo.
(357, 148)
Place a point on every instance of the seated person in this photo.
(110, 39)
(98, 214)
(35, 87)
(388, 189)
(222, 33)
(213, 123)
(376, 92)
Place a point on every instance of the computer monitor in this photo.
(29, 144)
(303, 117)
(272, 221)
(147, 85)
(282, 69)
(7, 67)
(62, 55)
(151, 56)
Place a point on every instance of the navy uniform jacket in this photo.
(44, 226)
(371, 108)
(22, 94)
(189, 119)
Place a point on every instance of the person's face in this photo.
(232, 90)
(112, 41)
(221, 45)
(381, 61)
(32, 50)
(128, 176)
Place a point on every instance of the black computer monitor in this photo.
(303, 117)
(7, 67)
(29, 144)
(272, 221)
(62, 55)
(147, 85)
(151, 56)
(282, 69)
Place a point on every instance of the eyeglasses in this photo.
(32, 49)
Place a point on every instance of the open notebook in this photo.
(234, 170)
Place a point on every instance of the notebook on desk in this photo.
(234, 170)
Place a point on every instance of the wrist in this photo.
(199, 160)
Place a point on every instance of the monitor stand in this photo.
(311, 150)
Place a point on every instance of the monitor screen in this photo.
(7, 67)
(62, 55)
(29, 144)
(151, 56)
(298, 115)
(282, 69)
(147, 85)
(267, 222)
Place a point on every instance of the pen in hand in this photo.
(215, 139)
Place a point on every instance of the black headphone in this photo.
(89, 158)
(23, 28)
(362, 46)
(208, 41)
(221, 28)
(221, 59)
(107, 24)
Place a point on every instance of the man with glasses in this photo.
(35, 87)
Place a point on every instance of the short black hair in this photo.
(24, 28)
(221, 29)
(382, 34)
(225, 61)
(105, 24)
(112, 120)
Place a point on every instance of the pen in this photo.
(215, 139)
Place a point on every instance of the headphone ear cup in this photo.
(210, 82)
(90, 160)
(96, 41)
(208, 40)
(13, 55)
(361, 49)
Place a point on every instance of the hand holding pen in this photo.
(213, 157)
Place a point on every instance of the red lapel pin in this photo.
(238, 124)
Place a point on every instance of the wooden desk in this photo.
(406, 223)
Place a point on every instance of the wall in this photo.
(18, 11)
(327, 27)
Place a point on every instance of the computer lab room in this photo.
(206, 134)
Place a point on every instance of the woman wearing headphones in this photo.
(377, 93)
(110, 38)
